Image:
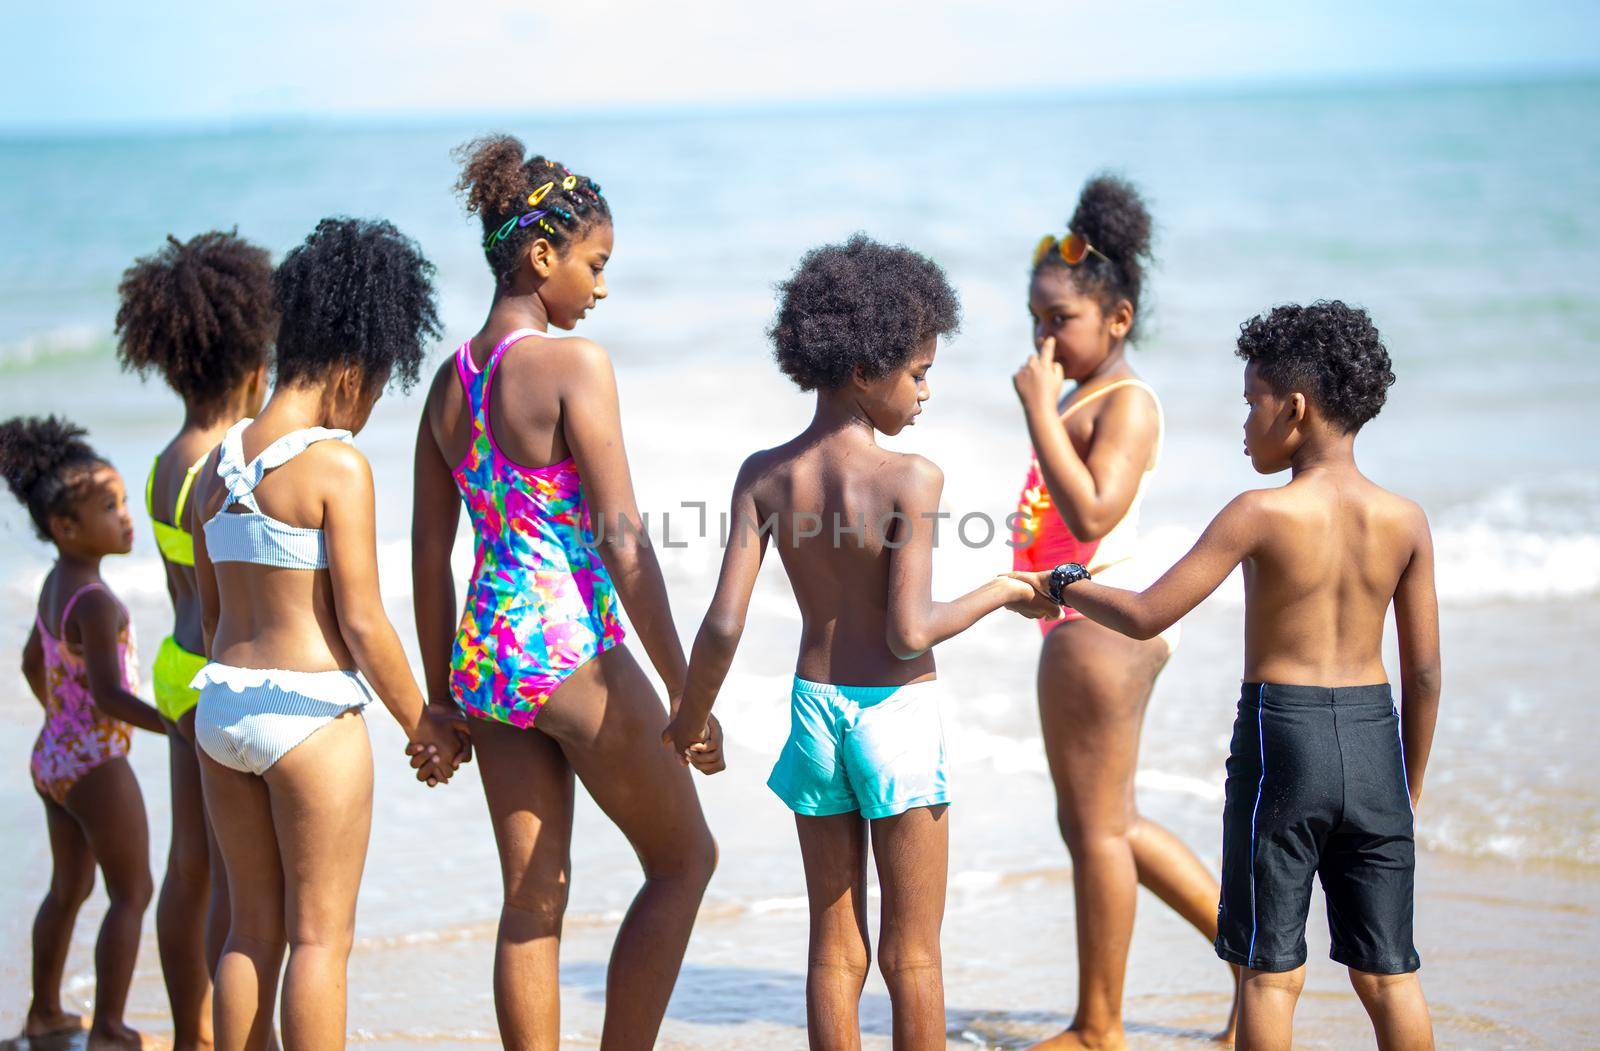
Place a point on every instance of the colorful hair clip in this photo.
(500, 234)
(569, 182)
(538, 195)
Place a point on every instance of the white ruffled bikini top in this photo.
(253, 535)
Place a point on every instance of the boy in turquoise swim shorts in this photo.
(854, 525)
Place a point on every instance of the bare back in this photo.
(271, 617)
(831, 503)
(1330, 553)
(525, 400)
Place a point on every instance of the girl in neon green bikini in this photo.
(200, 313)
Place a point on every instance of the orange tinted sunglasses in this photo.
(1074, 249)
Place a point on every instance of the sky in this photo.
(106, 64)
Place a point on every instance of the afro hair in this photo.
(860, 305)
(356, 291)
(201, 312)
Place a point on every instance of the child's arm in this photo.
(350, 528)
(33, 664)
(1416, 614)
(916, 622)
(98, 619)
(1227, 541)
(205, 575)
(719, 633)
(435, 514)
(592, 421)
(1091, 493)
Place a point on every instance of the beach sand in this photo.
(1507, 947)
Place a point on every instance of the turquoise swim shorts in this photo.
(876, 749)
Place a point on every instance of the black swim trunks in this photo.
(1317, 786)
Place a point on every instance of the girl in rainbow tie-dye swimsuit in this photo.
(523, 428)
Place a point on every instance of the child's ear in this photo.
(1297, 409)
(1120, 321)
(542, 257)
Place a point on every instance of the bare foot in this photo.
(1073, 1040)
(40, 1023)
(117, 1036)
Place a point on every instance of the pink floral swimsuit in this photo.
(77, 736)
(541, 603)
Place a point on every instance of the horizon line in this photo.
(1201, 87)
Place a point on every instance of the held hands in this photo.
(1030, 595)
(698, 745)
(1040, 380)
(439, 744)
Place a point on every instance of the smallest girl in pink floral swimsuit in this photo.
(77, 735)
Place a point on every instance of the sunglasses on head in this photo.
(1073, 249)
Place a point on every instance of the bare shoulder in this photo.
(1407, 515)
(96, 606)
(444, 378)
(1134, 402)
(574, 355)
(1260, 505)
(913, 476)
(337, 464)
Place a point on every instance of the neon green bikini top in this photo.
(175, 542)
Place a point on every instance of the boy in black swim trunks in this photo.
(1323, 772)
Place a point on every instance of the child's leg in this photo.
(1170, 870)
(834, 852)
(1093, 685)
(246, 975)
(321, 797)
(913, 855)
(218, 905)
(1399, 1013)
(185, 894)
(109, 807)
(528, 786)
(612, 738)
(1266, 1008)
(71, 880)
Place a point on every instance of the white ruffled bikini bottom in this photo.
(249, 718)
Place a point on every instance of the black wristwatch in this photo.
(1063, 575)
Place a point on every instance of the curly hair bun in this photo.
(492, 180)
(38, 456)
(496, 181)
(200, 312)
(355, 291)
(1113, 216)
(1329, 350)
(861, 305)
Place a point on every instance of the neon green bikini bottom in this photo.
(174, 669)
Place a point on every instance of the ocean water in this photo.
(1465, 218)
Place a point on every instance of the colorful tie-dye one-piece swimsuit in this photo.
(541, 603)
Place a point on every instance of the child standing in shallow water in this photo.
(854, 526)
(81, 665)
(1323, 772)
